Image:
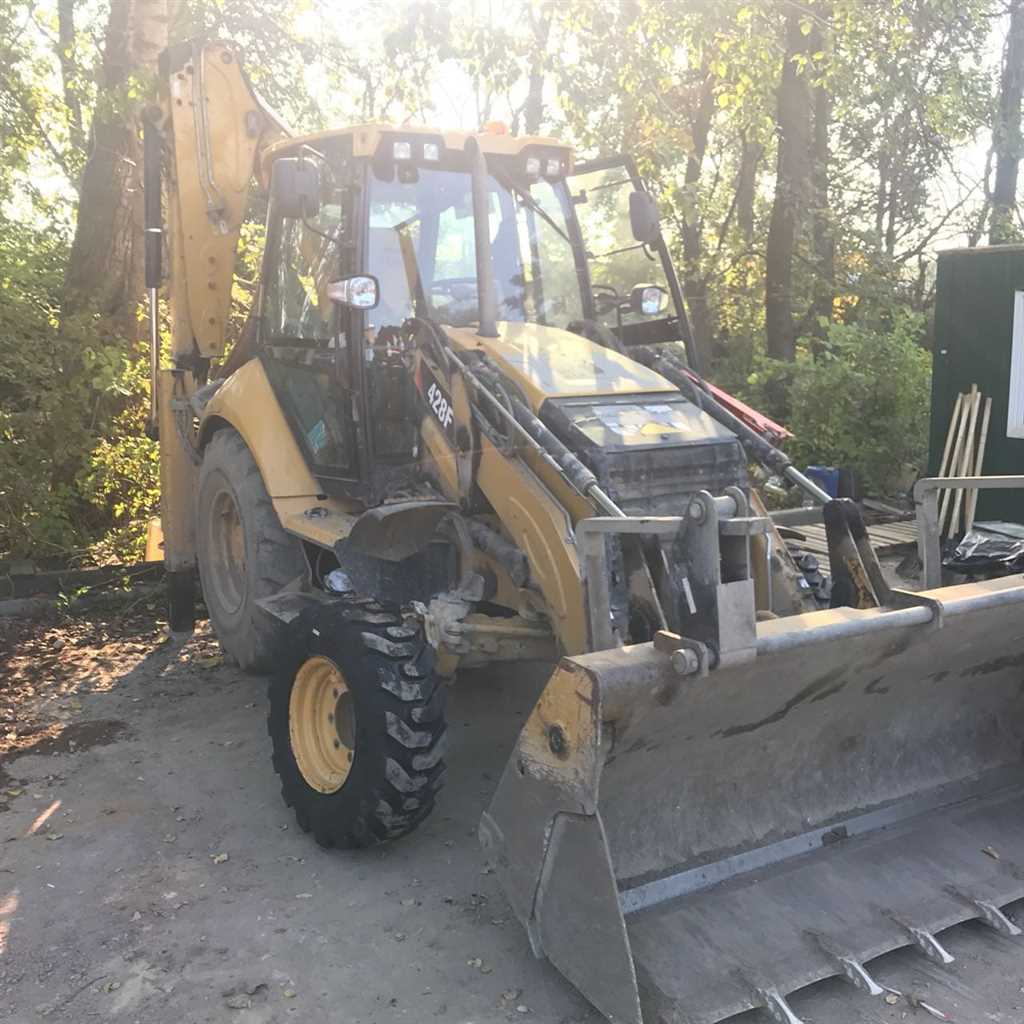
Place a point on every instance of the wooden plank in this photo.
(972, 495)
(967, 459)
(947, 452)
(955, 458)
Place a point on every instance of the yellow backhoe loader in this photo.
(462, 426)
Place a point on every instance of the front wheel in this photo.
(357, 725)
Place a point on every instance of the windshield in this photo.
(422, 249)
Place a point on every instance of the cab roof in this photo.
(366, 138)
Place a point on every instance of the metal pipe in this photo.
(486, 294)
(152, 153)
(861, 623)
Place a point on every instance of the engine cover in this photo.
(650, 452)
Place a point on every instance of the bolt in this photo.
(557, 742)
(696, 511)
(337, 744)
(685, 661)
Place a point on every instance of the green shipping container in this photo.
(979, 339)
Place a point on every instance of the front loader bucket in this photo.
(685, 848)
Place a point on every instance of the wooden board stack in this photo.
(963, 455)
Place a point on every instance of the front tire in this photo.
(357, 725)
(244, 553)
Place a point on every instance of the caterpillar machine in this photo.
(461, 427)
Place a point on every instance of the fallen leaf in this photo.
(288, 993)
(892, 999)
(990, 852)
(522, 1008)
(475, 962)
(14, 792)
(218, 858)
(211, 662)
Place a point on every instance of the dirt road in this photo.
(150, 873)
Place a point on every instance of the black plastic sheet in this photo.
(994, 547)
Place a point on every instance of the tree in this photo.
(1006, 135)
(792, 185)
(104, 270)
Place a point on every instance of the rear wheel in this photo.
(244, 553)
(357, 725)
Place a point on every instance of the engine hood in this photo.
(548, 362)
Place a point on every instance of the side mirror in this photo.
(360, 291)
(297, 187)
(648, 299)
(643, 217)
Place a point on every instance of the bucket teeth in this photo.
(929, 945)
(854, 972)
(775, 1003)
(996, 919)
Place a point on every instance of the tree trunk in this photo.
(533, 110)
(791, 187)
(746, 187)
(1006, 137)
(694, 283)
(105, 267)
(65, 49)
(824, 240)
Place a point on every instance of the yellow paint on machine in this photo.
(548, 362)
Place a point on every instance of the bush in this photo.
(78, 478)
(862, 401)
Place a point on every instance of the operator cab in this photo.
(373, 226)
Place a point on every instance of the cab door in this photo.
(619, 262)
(304, 337)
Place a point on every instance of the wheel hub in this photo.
(321, 724)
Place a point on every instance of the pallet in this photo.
(886, 538)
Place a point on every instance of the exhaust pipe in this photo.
(486, 294)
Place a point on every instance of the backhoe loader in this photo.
(464, 424)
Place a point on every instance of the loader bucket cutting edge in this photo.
(684, 849)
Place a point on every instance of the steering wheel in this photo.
(449, 285)
(606, 299)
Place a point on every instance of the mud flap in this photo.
(684, 847)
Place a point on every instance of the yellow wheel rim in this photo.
(321, 724)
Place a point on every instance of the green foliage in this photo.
(862, 402)
(77, 475)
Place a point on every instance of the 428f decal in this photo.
(437, 399)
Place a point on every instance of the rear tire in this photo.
(364, 764)
(244, 553)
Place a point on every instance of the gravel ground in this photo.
(150, 873)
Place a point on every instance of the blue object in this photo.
(826, 477)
